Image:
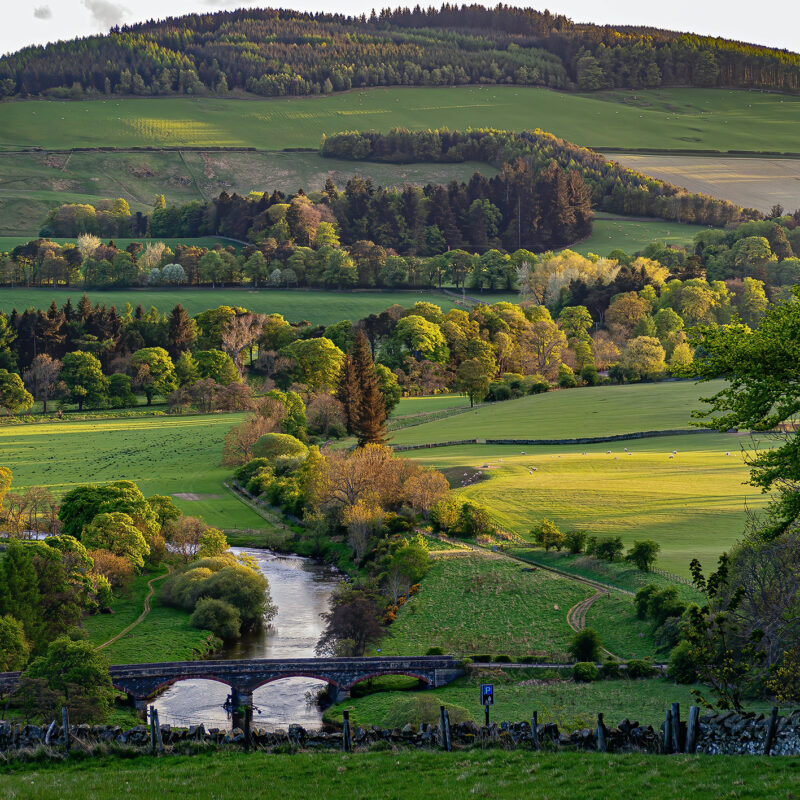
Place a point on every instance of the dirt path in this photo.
(141, 616)
(576, 616)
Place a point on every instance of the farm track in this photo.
(141, 617)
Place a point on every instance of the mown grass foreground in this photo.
(410, 775)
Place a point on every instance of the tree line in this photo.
(613, 188)
(281, 52)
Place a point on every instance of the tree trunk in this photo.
(44, 406)
(149, 398)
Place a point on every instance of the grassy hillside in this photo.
(318, 307)
(590, 411)
(33, 183)
(164, 455)
(479, 603)
(692, 504)
(669, 118)
(414, 775)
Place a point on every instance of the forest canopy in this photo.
(272, 52)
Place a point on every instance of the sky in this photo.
(28, 22)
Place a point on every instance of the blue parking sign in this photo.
(487, 694)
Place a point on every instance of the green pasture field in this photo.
(482, 603)
(318, 307)
(32, 183)
(410, 774)
(693, 504)
(668, 119)
(611, 232)
(163, 455)
(413, 406)
(518, 693)
(572, 413)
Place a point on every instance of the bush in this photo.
(586, 645)
(589, 375)
(642, 599)
(502, 659)
(585, 672)
(575, 541)
(272, 445)
(421, 708)
(435, 651)
(538, 385)
(609, 670)
(244, 473)
(481, 658)
(641, 669)
(217, 616)
(530, 660)
(682, 668)
(566, 377)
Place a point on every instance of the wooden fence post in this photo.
(773, 725)
(65, 726)
(152, 730)
(347, 742)
(157, 729)
(668, 733)
(535, 730)
(676, 728)
(248, 712)
(601, 735)
(691, 729)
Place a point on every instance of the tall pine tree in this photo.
(348, 393)
(182, 331)
(19, 590)
(371, 425)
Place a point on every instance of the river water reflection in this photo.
(301, 590)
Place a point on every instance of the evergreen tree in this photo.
(348, 393)
(371, 426)
(182, 331)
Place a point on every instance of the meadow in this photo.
(611, 232)
(412, 775)
(692, 504)
(675, 119)
(484, 603)
(318, 307)
(589, 411)
(752, 182)
(33, 183)
(163, 455)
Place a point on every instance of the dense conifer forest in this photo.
(281, 52)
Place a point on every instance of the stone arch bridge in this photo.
(244, 676)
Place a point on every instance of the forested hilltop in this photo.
(273, 52)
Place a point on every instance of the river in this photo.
(301, 590)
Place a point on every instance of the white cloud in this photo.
(105, 13)
(42, 12)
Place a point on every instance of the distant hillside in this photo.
(278, 53)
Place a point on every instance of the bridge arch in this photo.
(383, 673)
(300, 674)
(158, 687)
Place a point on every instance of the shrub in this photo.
(682, 667)
(664, 604)
(547, 534)
(481, 658)
(272, 445)
(566, 377)
(538, 385)
(118, 570)
(502, 659)
(640, 669)
(589, 375)
(530, 660)
(421, 708)
(435, 651)
(246, 471)
(586, 645)
(575, 541)
(609, 670)
(642, 599)
(217, 616)
(585, 672)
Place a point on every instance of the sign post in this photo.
(487, 698)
